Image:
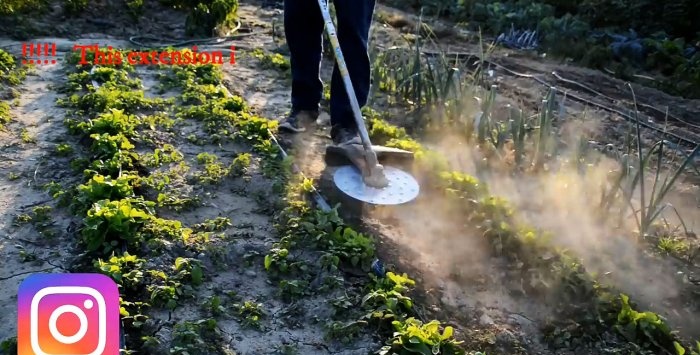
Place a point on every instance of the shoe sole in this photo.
(290, 128)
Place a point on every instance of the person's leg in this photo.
(303, 27)
(354, 21)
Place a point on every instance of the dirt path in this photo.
(36, 245)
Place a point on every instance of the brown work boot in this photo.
(297, 121)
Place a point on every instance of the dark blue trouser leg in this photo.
(354, 21)
(303, 26)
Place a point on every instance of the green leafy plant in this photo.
(4, 114)
(118, 78)
(254, 129)
(291, 290)
(56, 191)
(135, 7)
(110, 96)
(160, 156)
(353, 248)
(41, 219)
(114, 122)
(109, 224)
(187, 268)
(414, 337)
(387, 298)
(107, 146)
(240, 165)
(166, 291)
(277, 263)
(133, 313)
(207, 17)
(250, 313)
(26, 136)
(271, 60)
(673, 245)
(177, 202)
(214, 306)
(101, 187)
(213, 172)
(64, 149)
(166, 229)
(9, 346)
(645, 328)
(22, 218)
(15, 7)
(195, 337)
(10, 73)
(217, 224)
(345, 332)
(680, 350)
(74, 7)
(201, 94)
(125, 270)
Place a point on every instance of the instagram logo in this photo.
(61, 314)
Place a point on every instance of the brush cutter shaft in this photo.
(375, 185)
(333, 37)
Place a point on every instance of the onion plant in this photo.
(631, 178)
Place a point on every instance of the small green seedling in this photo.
(64, 149)
(250, 314)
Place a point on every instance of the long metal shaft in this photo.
(370, 155)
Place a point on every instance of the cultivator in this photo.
(366, 179)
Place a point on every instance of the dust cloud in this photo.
(563, 201)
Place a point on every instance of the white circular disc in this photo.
(402, 186)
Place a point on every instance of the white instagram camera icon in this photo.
(69, 308)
